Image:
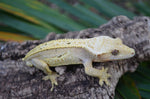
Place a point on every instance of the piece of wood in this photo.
(19, 81)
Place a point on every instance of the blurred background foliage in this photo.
(22, 20)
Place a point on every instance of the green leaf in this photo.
(21, 13)
(143, 8)
(55, 13)
(6, 36)
(117, 95)
(145, 64)
(108, 8)
(139, 78)
(127, 88)
(29, 7)
(90, 14)
(33, 30)
(9, 29)
(144, 87)
(144, 71)
(74, 11)
(144, 94)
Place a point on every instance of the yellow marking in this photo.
(33, 6)
(6, 36)
(24, 15)
(10, 9)
(56, 44)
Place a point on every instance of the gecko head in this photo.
(114, 49)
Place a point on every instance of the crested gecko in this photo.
(78, 51)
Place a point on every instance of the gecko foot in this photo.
(104, 76)
(52, 77)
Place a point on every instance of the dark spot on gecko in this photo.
(59, 56)
(145, 19)
(99, 55)
(80, 60)
(115, 52)
(68, 43)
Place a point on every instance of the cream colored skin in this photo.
(78, 51)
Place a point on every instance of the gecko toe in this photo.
(52, 77)
(104, 76)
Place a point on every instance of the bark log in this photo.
(19, 81)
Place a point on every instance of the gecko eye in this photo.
(115, 52)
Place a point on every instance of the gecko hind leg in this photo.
(101, 74)
(52, 76)
(104, 76)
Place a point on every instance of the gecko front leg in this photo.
(101, 74)
(44, 67)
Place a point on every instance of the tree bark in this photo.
(19, 81)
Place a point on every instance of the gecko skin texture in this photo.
(78, 51)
